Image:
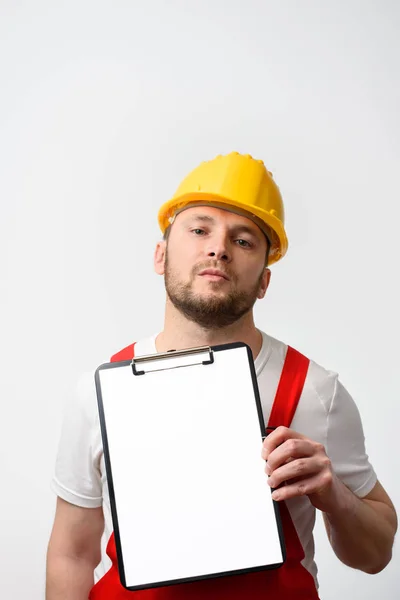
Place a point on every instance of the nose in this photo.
(218, 248)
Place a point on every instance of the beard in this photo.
(217, 311)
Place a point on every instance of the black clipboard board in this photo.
(182, 434)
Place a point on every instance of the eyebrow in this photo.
(204, 218)
(236, 228)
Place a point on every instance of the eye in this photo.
(198, 231)
(244, 243)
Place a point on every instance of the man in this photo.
(222, 229)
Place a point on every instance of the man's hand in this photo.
(361, 530)
(304, 467)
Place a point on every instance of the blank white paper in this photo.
(191, 493)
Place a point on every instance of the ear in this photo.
(266, 278)
(159, 257)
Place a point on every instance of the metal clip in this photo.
(171, 355)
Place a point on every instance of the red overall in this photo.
(291, 581)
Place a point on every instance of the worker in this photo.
(222, 230)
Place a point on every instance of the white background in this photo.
(104, 107)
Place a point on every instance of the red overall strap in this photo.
(289, 390)
(294, 580)
(289, 582)
(125, 354)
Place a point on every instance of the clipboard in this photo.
(182, 434)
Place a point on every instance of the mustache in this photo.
(213, 265)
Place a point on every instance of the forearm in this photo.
(361, 531)
(68, 578)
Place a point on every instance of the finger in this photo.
(299, 468)
(278, 437)
(305, 487)
(291, 449)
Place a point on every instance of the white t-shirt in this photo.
(326, 413)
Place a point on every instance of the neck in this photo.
(180, 333)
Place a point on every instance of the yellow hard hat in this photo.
(238, 183)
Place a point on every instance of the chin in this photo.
(210, 291)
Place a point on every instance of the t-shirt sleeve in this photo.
(346, 443)
(77, 476)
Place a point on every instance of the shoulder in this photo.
(84, 400)
(321, 382)
(85, 386)
(85, 397)
(324, 382)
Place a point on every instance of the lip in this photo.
(215, 273)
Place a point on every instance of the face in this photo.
(214, 265)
